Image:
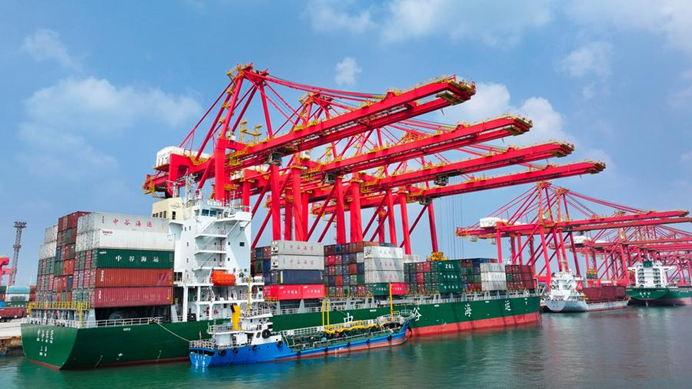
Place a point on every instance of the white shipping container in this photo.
(51, 234)
(411, 258)
(121, 222)
(492, 267)
(381, 276)
(47, 250)
(493, 285)
(360, 257)
(383, 252)
(290, 247)
(297, 262)
(384, 264)
(116, 239)
(493, 276)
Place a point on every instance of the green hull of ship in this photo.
(660, 296)
(71, 348)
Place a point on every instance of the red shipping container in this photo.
(592, 294)
(288, 292)
(360, 289)
(420, 288)
(330, 260)
(133, 277)
(353, 269)
(398, 288)
(12, 312)
(313, 291)
(268, 292)
(425, 267)
(131, 297)
(339, 292)
(74, 217)
(420, 278)
(339, 280)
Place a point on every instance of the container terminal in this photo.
(330, 179)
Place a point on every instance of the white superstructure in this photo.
(563, 295)
(213, 239)
(651, 275)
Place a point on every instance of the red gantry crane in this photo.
(605, 237)
(337, 152)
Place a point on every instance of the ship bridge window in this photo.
(205, 212)
(242, 244)
(212, 213)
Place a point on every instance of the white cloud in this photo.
(495, 23)
(63, 118)
(346, 72)
(330, 15)
(591, 58)
(670, 18)
(45, 45)
(492, 100)
(54, 154)
(92, 104)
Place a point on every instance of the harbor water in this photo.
(636, 347)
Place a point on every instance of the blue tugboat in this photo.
(250, 339)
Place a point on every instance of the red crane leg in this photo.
(498, 241)
(340, 211)
(380, 227)
(261, 230)
(220, 179)
(245, 199)
(512, 250)
(545, 256)
(433, 228)
(288, 219)
(306, 221)
(390, 218)
(355, 213)
(300, 232)
(275, 201)
(404, 223)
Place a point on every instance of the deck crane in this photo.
(565, 220)
(342, 152)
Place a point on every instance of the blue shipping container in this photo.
(297, 277)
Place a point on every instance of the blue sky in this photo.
(89, 92)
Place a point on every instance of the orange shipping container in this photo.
(132, 297)
(133, 277)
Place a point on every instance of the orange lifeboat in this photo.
(221, 278)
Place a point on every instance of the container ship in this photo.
(566, 295)
(652, 287)
(121, 289)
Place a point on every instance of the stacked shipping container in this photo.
(124, 261)
(465, 276)
(363, 269)
(107, 260)
(293, 271)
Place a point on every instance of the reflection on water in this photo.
(637, 347)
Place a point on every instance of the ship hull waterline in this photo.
(87, 348)
(663, 297)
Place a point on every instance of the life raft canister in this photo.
(221, 278)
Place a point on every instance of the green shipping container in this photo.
(347, 290)
(449, 288)
(381, 289)
(57, 268)
(131, 259)
(361, 279)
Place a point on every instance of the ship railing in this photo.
(203, 344)
(341, 339)
(94, 323)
